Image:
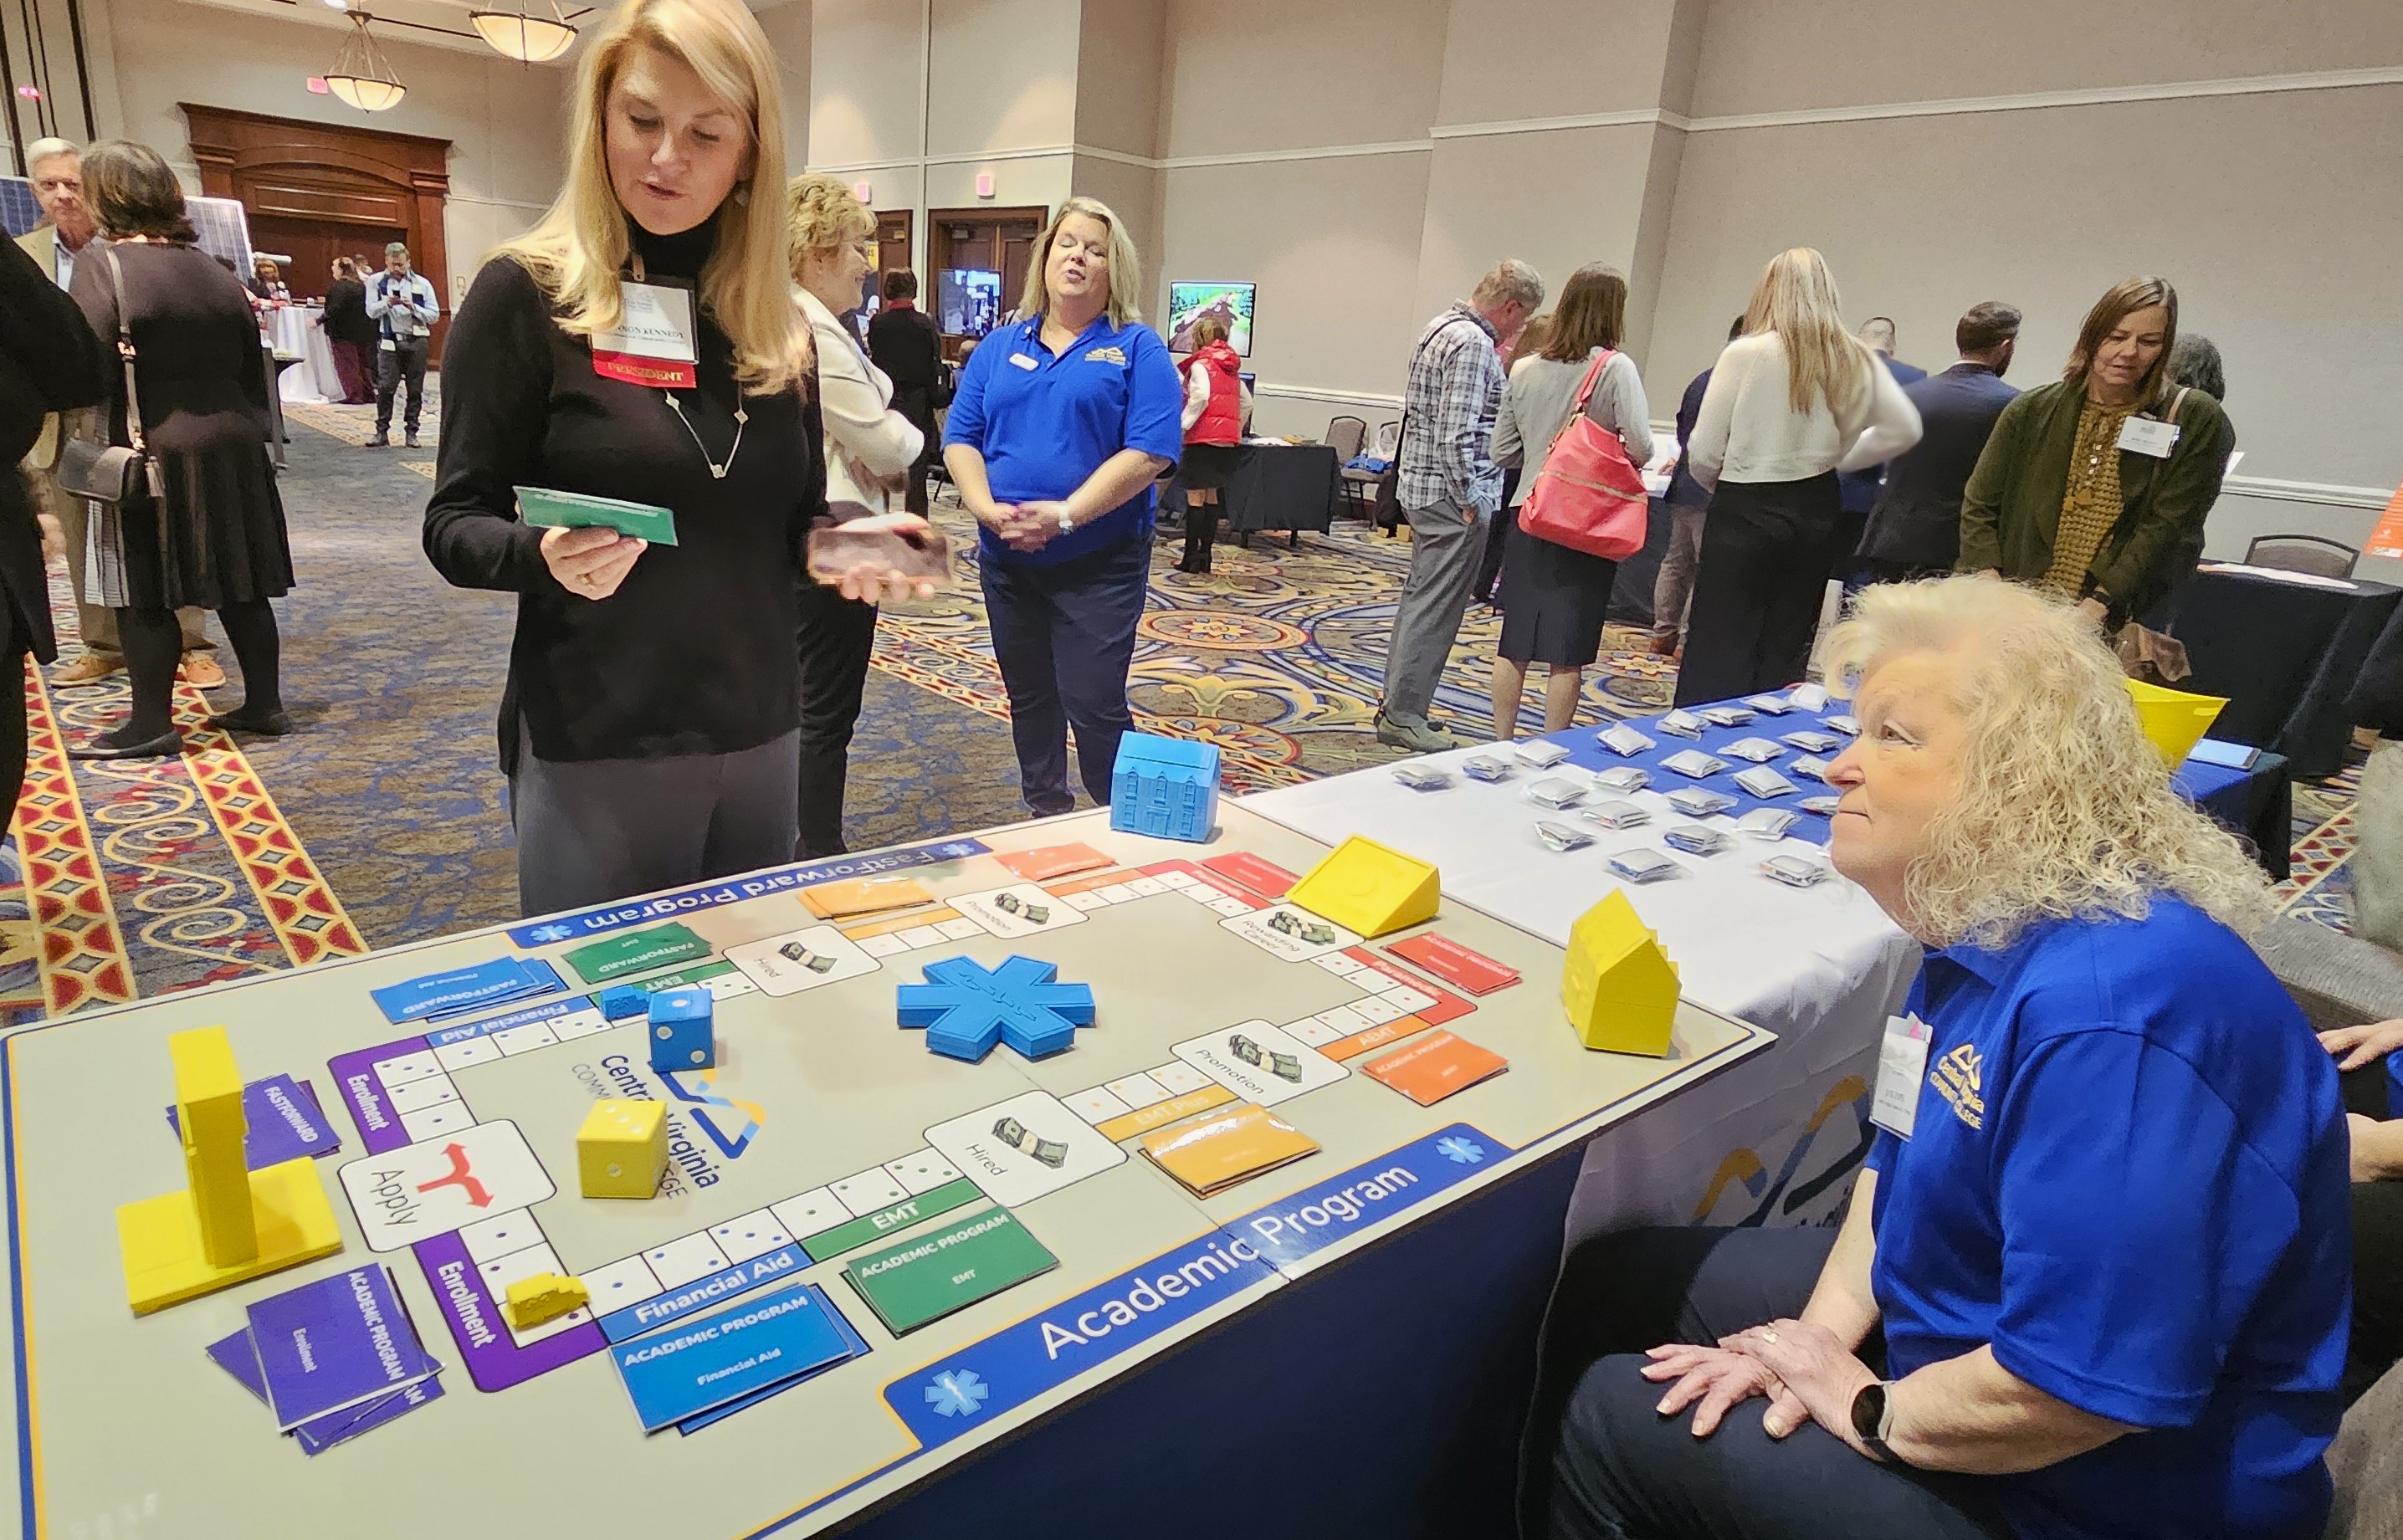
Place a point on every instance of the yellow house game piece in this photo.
(2174, 720)
(1365, 887)
(622, 1151)
(543, 1296)
(229, 1224)
(1619, 985)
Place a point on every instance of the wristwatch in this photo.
(1066, 523)
(1873, 1419)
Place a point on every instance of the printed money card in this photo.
(1295, 935)
(1023, 909)
(803, 960)
(1260, 1062)
(1020, 1149)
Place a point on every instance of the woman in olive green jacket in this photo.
(2097, 487)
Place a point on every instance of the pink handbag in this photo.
(1588, 496)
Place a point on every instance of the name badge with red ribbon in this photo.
(654, 341)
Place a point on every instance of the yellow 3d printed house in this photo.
(228, 1223)
(2174, 720)
(1363, 886)
(1617, 984)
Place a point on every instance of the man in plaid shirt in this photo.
(1449, 486)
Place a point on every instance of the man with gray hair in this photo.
(404, 306)
(1448, 487)
(55, 167)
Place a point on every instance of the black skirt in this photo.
(1554, 600)
(1204, 467)
(218, 540)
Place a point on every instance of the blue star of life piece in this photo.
(552, 932)
(960, 1392)
(965, 1007)
(1461, 1152)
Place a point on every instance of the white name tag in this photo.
(2145, 436)
(1902, 1070)
(1021, 360)
(654, 341)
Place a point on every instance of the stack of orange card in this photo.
(1042, 865)
(1435, 1066)
(864, 895)
(1232, 1144)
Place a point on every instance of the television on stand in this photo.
(967, 302)
(1189, 302)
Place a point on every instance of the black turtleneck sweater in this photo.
(694, 653)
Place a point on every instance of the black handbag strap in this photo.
(125, 351)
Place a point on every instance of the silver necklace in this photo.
(717, 471)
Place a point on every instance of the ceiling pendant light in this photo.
(362, 75)
(531, 38)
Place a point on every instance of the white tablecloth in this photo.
(294, 329)
(1822, 967)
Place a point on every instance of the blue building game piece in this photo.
(683, 1033)
(619, 1001)
(1166, 787)
(965, 1007)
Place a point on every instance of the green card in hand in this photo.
(545, 509)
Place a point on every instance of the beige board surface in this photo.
(130, 1420)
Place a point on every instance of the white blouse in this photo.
(1748, 430)
(856, 399)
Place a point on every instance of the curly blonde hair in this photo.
(822, 214)
(2065, 810)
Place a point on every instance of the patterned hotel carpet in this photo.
(388, 820)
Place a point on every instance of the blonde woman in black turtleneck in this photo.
(649, 727)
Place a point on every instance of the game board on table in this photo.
(989, 1237)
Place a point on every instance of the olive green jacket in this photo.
(2011, 509)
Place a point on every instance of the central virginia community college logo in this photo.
(1960, 1078)
(698, 1090)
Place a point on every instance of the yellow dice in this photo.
(622, 1151)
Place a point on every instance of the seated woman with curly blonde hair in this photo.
(2093, 1281)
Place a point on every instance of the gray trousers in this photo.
(2378, 850)
(97, 622)
(598, 830)
(1672, 591)
(1445, 544)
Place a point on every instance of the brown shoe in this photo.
(1663, 646)
(202, 671)
(86, 667)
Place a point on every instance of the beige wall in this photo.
(866, 75)
(1005, 76)
(1271, 74)
(788, 25)
(506, 121)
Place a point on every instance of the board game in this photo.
(985, 1240)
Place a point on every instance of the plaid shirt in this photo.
(1454, 391)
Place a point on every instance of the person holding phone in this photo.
(869, 448)
(1062, 421)
(640, 343)
(404, 307)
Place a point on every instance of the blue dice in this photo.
(683, 1036)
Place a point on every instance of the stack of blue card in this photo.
(332, 1359)
(284, 1121)
(498, 982)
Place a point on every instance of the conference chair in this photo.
(2311, 553)
(1348, 437)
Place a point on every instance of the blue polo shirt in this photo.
(1045, 421)
(2129, 1176)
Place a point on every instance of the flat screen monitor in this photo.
(967, 301)
(1230, 302)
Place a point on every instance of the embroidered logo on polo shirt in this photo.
(1106, 355)
(1958, 1078)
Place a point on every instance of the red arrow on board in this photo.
(459, 1176)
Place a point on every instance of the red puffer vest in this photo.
(1222, 417)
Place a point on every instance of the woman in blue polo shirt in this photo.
(1061, 423)
(2093, 1279)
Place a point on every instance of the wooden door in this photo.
(893, 246)
(996, 239)
(319, 191)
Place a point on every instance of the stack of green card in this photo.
(912, 1282)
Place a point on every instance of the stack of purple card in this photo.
(332, 1358)
(286, 1122)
